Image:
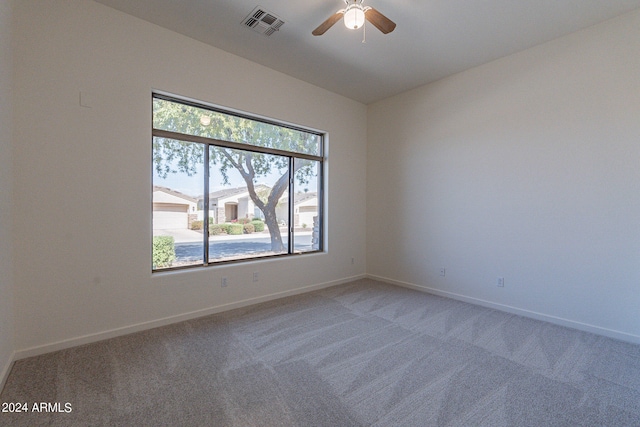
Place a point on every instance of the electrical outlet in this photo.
(255, 276)
(223, 283)
(443, 272)
(500, 282)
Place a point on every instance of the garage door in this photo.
(169, 216)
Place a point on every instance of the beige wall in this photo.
(83, 269)
(6, 191)
(525, 168)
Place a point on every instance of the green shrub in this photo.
(244, 221)
(235, 229)
(258, 225)
(197, 225)
(217, 229)
(164, 251)
(225, 227)
(248, 228)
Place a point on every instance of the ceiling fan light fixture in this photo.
(354, 17)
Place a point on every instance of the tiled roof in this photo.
(227, 192)
(174, 193)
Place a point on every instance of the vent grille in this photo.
(262, 21)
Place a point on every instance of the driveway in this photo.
(180, 235)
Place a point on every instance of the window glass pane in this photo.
(247, 204)
(177, 184)
(252, 211)
(190, 120)
(306, 214)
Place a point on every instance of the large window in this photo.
(228, 187)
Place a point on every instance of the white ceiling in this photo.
(433, 38)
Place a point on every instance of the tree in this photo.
(173, 156)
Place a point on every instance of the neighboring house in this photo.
(305, 207)
(172, 209)
(230, 204)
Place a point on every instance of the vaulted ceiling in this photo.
(433, 38)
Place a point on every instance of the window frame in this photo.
(208, 142)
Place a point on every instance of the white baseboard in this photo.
(610, 333)
(4, 373)
(86, 339)
(89, 338)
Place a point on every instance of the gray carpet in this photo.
(360, 354)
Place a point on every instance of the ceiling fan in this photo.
(354, 16)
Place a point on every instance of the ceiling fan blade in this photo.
(380, 21)
(322, 28)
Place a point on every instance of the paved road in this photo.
(192, 251)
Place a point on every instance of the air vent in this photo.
(263, 21)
